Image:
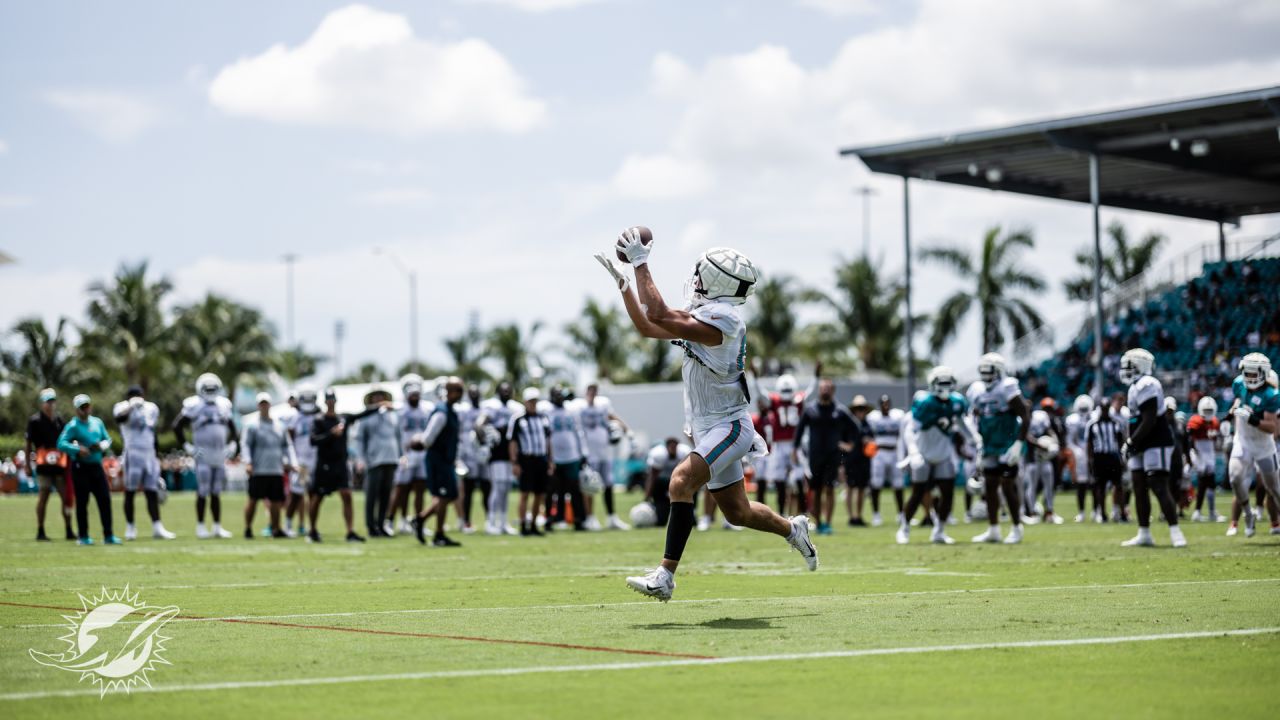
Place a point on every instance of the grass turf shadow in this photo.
(764, 622)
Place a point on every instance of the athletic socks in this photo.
(679, 526)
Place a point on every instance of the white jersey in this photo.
(1077, 427)
(1144, 390)
(209, 431)
(659, 459)
(498, 415)
(886, 427)
(468, 448)
(300, 425)
(139, 429)
(567, 441)
(714, 386)
(1040, 425)
(595, 425)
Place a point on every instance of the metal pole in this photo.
(413, 316)
(1095, 194)
(288, 321)
(866, 192)
(906, 242)
(1222, 242)
(338, 331)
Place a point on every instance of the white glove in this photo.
(629, 244)
(916, 461)
(623, 281)
(1242, 413)
(1126, 448)
(1013, 455)
(189, 449)
(104, 445)
(136, 401)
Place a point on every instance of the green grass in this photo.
(740, 595)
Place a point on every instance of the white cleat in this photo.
(468, 530)
(1219, 518)
(1015, 535)
(799, 541)
(940, 537)
(130, 532)
(704, 523)
(1097, 517)
(615, 523)
(406, 527)
(1142, 539)
(1250, 524)
(658, 584)
(1232, 530)
(1176, 538)
(388, 528)
(1197, 517)
(160, 532)
(902, 537)
(1029, 519)
(220, 532)
(1275, 529)
(992, 535)
(509, 530)
(726, 525)
(876, 520)
(1079, 517)
(591, 523)
(1053, 519)
(202, 532)
(492, 529)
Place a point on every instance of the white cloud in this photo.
(365, 68)
(113, 116)
(697, 236)
(395, 197)
(535, 6)
(12, 202)
(656, 177)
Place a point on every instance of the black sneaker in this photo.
(524, 531)
(277, 533)
(71, 535)
(353, 537)
(535, 532)
(313, 536)
(41, 537)
(248, 534)
(443, 540)
(417, 530)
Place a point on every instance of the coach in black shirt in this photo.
(857, 465)
(830, 431)
(45, 463)
(329, 436)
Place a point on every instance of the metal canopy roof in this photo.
(1151, 158)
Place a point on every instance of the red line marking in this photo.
(400, 633)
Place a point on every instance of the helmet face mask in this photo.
(1083, 405)
(1135, 364)
(1254, 368)
(991, 367)
(208, 387)
(787, 387)
(1207, 406)
(942, 382)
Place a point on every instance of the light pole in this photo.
(289, 260)
(412, 276)
(339, 331)
(866, 191)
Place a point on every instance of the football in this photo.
(646, 237)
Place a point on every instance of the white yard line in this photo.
(496, 672)
(771, 599)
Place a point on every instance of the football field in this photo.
(1067, 624)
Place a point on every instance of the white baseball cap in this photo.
(532, 393)
(263, 397)
(81, 400)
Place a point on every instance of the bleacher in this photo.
(1197, 330)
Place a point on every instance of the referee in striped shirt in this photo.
(530, 446)
(1103, 439)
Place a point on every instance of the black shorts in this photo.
(857, 471)
(442, 481)
(825, 471)
(533, 474)
(266, 487)
(330, 479)
(1108, 469)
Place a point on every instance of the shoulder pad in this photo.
(224, 404)
(190, 404)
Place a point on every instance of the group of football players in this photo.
(1010, 457)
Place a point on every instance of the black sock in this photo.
(153, 505)
(679, 526)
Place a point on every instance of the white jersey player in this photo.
(598, 420)
(300, 425)
(209, 416)
(713, 335)
(1077, 426)
(886, 425)
(1254, 417)
(494, 423)
(1149, 447)
(138, 418)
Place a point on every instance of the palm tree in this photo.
(467, 350)
(600, 338)
(994, 277)
(44, 359)
(1120, 261)
(296, 363)
(656, 361)
(514, 351)
(368, 372)
(224, 337)
(869, 314)
(127, 331)
(771, 328)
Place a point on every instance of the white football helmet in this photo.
(942, 382)
(991, 367)
(208, 387)
(1208, 407)
(307, 398)
(723, 275)
(411, 383)
(787, 386)
(1134, 364)
(1254, 368)
(1083, 405)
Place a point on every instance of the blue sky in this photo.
(494, 144)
